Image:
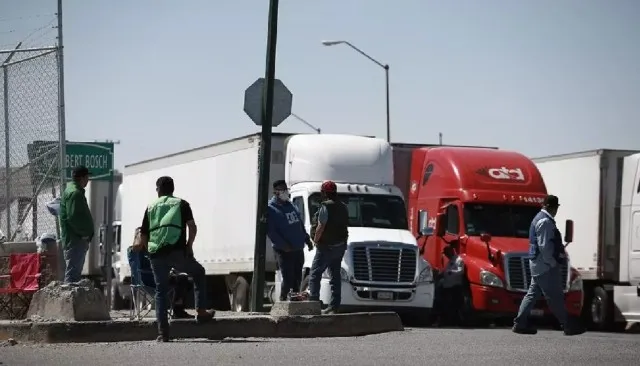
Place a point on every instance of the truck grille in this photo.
(520, 273)
(374, 264)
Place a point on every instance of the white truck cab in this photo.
(381, 268)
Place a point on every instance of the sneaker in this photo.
(330, 311)
(524, 330)
(204, 315)
(163, 339)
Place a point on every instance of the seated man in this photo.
(144, 276)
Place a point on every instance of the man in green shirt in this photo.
(76, 224)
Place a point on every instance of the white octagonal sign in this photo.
(282, 100)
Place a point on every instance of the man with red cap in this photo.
(329, 230)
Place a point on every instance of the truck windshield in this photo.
(369, 210)
(511, 221)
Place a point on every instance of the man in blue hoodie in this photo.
(546, 257)
(288, 236)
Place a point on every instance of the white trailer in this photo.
(220, 183)
(600, 191)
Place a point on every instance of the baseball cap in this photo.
(551, 201)
(81, 171)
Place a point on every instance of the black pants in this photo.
(290, 264)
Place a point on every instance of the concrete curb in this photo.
(339, 325)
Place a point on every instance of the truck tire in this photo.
(599, 308)
(467, 315)
(602, 311)
(117, 302)
(240, 293)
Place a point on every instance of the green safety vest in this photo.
(165, 222)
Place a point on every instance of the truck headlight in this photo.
(426, 275)
(490, 279)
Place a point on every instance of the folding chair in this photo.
(18, 286)
(143, 286)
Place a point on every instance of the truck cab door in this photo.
(300, 200)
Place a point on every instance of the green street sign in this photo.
(96, 156)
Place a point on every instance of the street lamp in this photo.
(386, 72)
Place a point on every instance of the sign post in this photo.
(268, 103)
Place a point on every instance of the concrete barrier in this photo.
(339, 325)
(63, 302)
(293, 308)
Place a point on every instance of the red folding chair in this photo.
(17, 287)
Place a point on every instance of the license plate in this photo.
(385, 295)
(537, 312)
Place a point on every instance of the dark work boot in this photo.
(203, 315)
(524, 330)
(573, 327)
(180, 313)
(163, 335)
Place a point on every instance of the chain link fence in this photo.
(30, 174)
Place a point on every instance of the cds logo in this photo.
(503, 173)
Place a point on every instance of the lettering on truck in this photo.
(502, 173)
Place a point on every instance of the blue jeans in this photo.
(290, 264)
(74, 257)
(161, 266)
(551, 286)
(327, 257)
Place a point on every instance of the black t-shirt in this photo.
(186, 214)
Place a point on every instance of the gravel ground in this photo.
(412, 347)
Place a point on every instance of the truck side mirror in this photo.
(441, 225)
(568, 231)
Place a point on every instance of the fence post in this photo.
(7, 156)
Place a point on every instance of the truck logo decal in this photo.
(502, 173)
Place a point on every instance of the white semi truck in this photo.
(600, 191)
(382, 266)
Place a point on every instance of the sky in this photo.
(540, 77)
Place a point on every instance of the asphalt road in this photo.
(412, 347)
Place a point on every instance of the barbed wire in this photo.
(27, 17)
(47, 28)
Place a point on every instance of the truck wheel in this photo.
(467, 316)
(117, 302)
(240, 295)
(599, 306)
(602, 309)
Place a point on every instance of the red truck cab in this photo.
(481, 201)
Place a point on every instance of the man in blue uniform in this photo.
(546, 257)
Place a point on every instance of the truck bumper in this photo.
(498, 302)
(360, 297)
